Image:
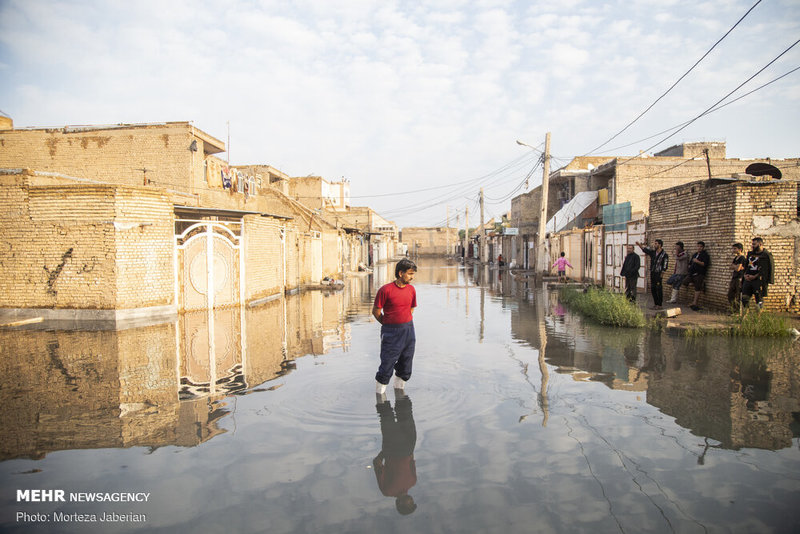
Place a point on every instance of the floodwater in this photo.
(519, 417)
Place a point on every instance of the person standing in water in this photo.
(561, 265)
(394, 308)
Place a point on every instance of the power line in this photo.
(671, 87)
(505, 167)
(716, 103)
(449, 196)
(716, 108)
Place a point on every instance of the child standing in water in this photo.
(561, 265)
(394, 309)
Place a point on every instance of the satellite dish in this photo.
(763, 169)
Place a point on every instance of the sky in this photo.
(418, 104)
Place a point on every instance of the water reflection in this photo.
(739, 392)
(524, 419)
(158, 385)
(395, 469)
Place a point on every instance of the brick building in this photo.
(722, 212)
(630, 179)
(120, 222)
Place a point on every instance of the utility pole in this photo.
(466, 234)
(481, 234)
(708, 162)
(447, 233)
(543, 212)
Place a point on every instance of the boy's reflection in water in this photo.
(394, 466)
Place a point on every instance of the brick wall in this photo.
(83, 247)
(114, 155)
(636, 179)
(438, 241)
(721, 214)
(263, 257)
(770, 211)
(144, 239)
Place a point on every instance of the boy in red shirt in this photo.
(394, 308)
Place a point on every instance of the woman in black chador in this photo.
(394, 466)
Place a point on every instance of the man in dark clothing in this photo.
(630, 270)
(659, 261)
(738, 265)
(757, 274)
(698, 265)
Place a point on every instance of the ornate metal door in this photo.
(208, 256)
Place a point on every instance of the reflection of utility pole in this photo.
(483, 301)
(466, 234)
(543, 402)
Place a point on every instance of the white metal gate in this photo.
(208, 255)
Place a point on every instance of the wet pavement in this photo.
(519, 417)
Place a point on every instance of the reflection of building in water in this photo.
(83, 390)
(583, 350)
(156, 385)
(742, 393)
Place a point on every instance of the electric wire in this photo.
(489, 175)
(717, 108)
(686, 125)
(671, 87)
(442, 199)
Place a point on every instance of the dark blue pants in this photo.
(397, 351)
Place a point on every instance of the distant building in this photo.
(319, 193)
(436, 241)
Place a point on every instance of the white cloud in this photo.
(386, 91)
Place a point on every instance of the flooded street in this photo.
(519, 417)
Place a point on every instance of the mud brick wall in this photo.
(724, 213)
(263, 257)
(84, 247)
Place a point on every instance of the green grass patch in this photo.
(604, 307)
(759, 324)
(752, 324)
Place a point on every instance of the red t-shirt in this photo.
(396, 303)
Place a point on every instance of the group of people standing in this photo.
(750, 274)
